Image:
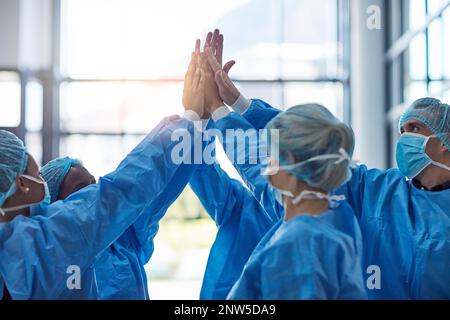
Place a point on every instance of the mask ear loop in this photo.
(345, 157)
(3, 211)
(40, 181)
(435, 163)
(317, 196)
(440, 165)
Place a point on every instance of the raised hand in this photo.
(194, 83)
(227, 90)
(215, 43)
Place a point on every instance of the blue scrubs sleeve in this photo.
(260, 113)
(248, 167)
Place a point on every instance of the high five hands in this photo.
(206, 73)
(213, 51)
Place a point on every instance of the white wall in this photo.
(368, 85)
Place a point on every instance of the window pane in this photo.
(417, 13)
(187, 206)
(251, 38)
(178, 263)
(33, 141)
(440, 90)
(327, 94)
(35, 101)
(436, 49)
(418, 58)
(100, 154)
(116, 107)
(153, 39)
(136, 39)
(446, 94)
(307, 54)
(415, 90)
(269, 92)
(434, 5)
(10, 93)
(446, 21)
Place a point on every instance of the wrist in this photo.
(233, 98)
(220, 113)
(241, 104)
(216, 104)
(191, 114)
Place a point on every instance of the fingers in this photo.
(215, 66)
(197, 46)
(196, 77)
(192, 64)
(219, 49)
(228, 66)
(208, 40)
(201, 84)
(214, 41)
(220, 80)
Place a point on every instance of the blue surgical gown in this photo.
(241, 223)
(406, 231)
(306, 258)
(119, 270)
(35, 252)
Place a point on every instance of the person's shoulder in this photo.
(378, 175)
(301, 229)
(313, 230)
(306, 236)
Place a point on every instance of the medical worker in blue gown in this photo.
(314, 252)
(41, 243)
(241, 223)
(403, 213)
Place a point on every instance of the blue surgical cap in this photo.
(308, 131)
(432, 113)
(54, 173)
(13, 162)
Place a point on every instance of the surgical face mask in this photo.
(412, 158)
(44, 201)
(38, 208)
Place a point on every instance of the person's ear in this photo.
(22, 185)
(445, 151)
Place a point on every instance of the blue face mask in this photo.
(412, 158)
(38, 209)
(34, 206)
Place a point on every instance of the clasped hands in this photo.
(207, 85)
